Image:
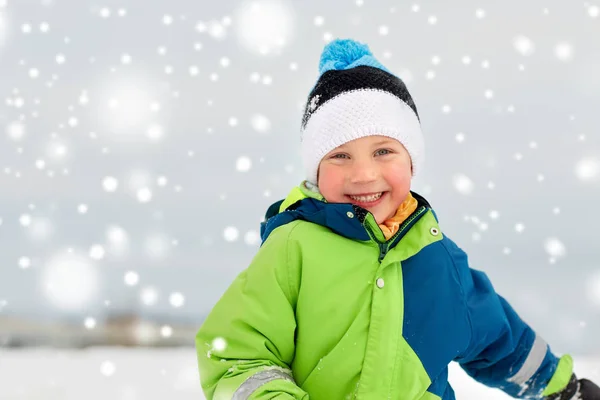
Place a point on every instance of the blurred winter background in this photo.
(143, 140)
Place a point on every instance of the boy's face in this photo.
(373, 172)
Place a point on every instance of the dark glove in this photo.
(581, 389)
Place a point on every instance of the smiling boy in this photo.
(355, 292)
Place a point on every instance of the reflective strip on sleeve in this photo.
(532, 363)
(257, 380)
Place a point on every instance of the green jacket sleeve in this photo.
(246, 344)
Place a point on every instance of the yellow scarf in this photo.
(390, 226)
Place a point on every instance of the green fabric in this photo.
(298, 193)
(411, 375)
(255, 317)
(373, 228)
(561, 376)
(301, 306)
(430, 396)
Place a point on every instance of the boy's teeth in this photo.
(367, 199)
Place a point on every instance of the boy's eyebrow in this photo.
(383, 141)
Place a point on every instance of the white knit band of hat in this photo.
(356, 114)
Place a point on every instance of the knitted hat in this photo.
(355, 96)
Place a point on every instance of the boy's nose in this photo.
(363, 172)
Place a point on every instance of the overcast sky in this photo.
(142, 142)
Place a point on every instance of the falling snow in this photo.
(519, 227)
(131, 278)
(134, 175)
(144, 195)
(110, 184)
(89, 323)
(24, 262)
(555, 247)
(264, 26)
(176, 300)
(524, 45)
(564, 51)
(219, 344)
(261, 123)
(463, 184)
(587, 169)
(243, 164)
(15, 131)
(97, 252)
(149, 296)
(166, 331)
(231, 234)
(69, 281)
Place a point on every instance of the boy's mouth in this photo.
(367, 198)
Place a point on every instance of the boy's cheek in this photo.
(329, 185)
(322, 176)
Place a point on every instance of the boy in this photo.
(355, 292)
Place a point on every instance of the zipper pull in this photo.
(382, 251)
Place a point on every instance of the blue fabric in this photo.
(332, 215)
(440, 384)
(500, 340)
(449, 393)
(341, 54)
(441, 387)
(435, 323)
(451, 311)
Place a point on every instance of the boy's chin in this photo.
(379, 220)
(381, 217)
(378, 216)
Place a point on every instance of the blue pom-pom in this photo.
(343, 54)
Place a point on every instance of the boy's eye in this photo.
(340, 155)
(383, 152)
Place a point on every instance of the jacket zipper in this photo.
(382, 251)
(383, 247)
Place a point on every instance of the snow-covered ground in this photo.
(136, 374)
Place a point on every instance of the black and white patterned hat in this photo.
(355, 96)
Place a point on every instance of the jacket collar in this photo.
(345, 219)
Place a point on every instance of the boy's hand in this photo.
(582, 389)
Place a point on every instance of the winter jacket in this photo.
(328, 309)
